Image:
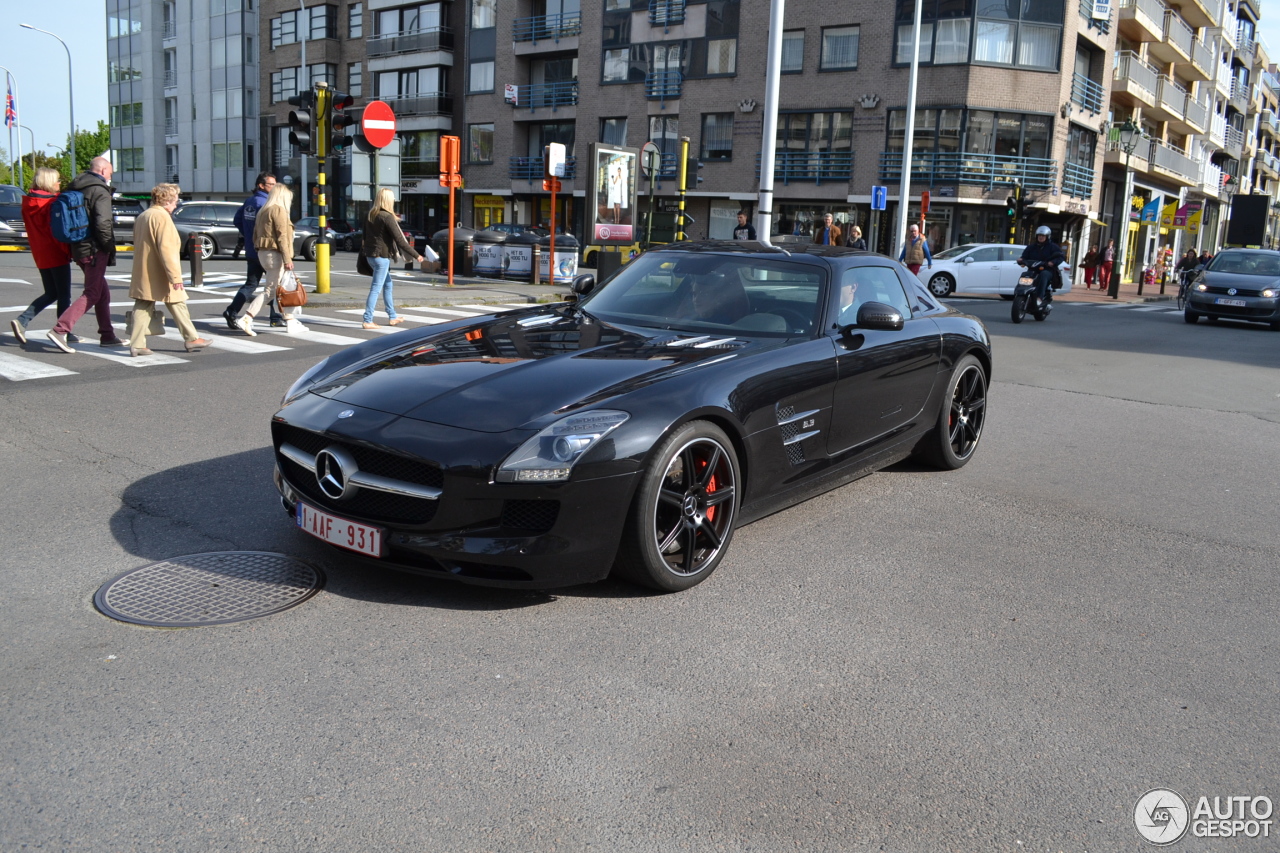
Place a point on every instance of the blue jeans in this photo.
(57, 288)
(381, 284)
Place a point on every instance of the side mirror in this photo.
(584, 284)
(968, 259)
(877, 315)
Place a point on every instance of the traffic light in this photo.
(693, 175)
(339, 120)
(1011, 208)
(302, 122)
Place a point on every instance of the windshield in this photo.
(713, 294)
(1246, 263)
(10, 195)
(954, 252)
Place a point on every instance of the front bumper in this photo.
(1256, 309)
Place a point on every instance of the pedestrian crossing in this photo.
(40, 360)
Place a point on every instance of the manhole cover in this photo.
(208, 589)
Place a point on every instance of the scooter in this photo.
(1024, 294)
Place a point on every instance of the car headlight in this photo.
(1202, 287)
(549, 456)
(1270, 293)
(303, 382)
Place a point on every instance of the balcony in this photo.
(1134, 83)
(663, 86)
(1171, 101)
(1217, 130)
(1176, 46)
(1102, 25)
(1234, 141)
(532, 169)
(425, 104)
(1172, 163)
(812, 167)
(1197, 115)
(1268, 163)
(553, 95)
(1202, 61)
(1087, 94)
(171, 127)
(1114, 152)
(545, 28)
(1142, 20)
(985, 170)
(411, 41)
(1240, 95)
(664, 13)
(169, 30)
(1268, 124)
(170, 79)
(1210, 179)
(1077, 180)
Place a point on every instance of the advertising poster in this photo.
(613, 195)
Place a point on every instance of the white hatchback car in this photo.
(979, 268)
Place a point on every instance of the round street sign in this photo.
(378, 124)
(650, 159)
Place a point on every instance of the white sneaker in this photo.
(294, 326)
(246, 325)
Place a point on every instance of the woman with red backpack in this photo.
(52, 257)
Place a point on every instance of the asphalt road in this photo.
(1000, 658)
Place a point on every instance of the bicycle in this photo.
(1184, 288)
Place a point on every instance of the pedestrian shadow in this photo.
(231, 504)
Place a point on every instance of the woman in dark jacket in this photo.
(52, 257)
(383, 240)
(855, 239)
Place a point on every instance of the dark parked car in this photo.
(1238, 284)
(124, 212)
(341, 234)
(13, 231)
(704, 386)
(214, 222)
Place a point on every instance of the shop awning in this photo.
(1098, 222)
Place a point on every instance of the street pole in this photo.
(17, 122)
(1128, 139)
(769, 126)
(324, 101)
(904, 187)
(33, 149)
(71, 92)
(304, 27)
(684, 178)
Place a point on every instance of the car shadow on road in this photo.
(230, 504)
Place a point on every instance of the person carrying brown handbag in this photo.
(273, 238)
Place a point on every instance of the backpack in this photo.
(69, 218)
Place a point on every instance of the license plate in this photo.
(1238, 303)
(351, 535)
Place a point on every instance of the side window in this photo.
(226, 215)
(1011, 253)
(860, 285)
(193, 212)
(985, 255)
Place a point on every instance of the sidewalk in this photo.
(1128, 292)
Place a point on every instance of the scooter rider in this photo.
(1045, 252)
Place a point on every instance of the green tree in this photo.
(89, 144)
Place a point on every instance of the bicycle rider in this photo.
(1047, 254)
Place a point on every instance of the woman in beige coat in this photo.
(157, 273)
(273, 238)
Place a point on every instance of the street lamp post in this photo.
(1130, 133)
(22, 127)
(70, 90)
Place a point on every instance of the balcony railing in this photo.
(1088, 94)
(1217, 128)
(1269, 123)
(1086, 12)
(1153, 9)
(169, 30)
(1211, 178)
(1172, 96)
(1077, 180)
(411, 41)
(1240, 95)
(553, 95)
(663, 86)
(1173, 160)
(170, 79)
(664, 13)
(1202, 57)
(531, 168)
(957, 167)
(1129, 66)
(427, 104)
(812, 167)
(1177, 32)
(171, 127)
(547, 27)
(1197, 113)
(1234, 139)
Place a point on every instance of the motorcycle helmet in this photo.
(1044, 229)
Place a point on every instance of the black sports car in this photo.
(703, 386)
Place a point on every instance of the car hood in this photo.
(511, 371)
(1240, 281)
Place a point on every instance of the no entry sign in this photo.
(378, 124)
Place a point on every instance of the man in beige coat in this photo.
(157, 272)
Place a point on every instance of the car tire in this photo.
(682, 517)
(1190, 316)
(1006, 296)
(1018, 311)
(1275, 327)
(349, 244)
(954, 439)
(942, 285)
(309, 249)
(208, 248)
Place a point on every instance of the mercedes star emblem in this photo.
(346, 413)
(330, 476)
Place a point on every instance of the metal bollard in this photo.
(197, 261)
(536, 271)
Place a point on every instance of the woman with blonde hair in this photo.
(53, 258)
(157, 272)
(273, 238)
(383, 240)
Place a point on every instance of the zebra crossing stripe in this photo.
(17, 369)
(314, 337)
(382, 315)
(224, 342)
(120, 355)
(447, 311)
(313, 320)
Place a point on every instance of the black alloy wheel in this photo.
(1018, 312)
(951, 444)
(681, 522)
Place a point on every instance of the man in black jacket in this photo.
(1046, 253)
(94, 254)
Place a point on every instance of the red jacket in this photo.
(47, 251)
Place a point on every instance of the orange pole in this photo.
(551, 261)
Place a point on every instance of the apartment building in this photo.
(182, 87)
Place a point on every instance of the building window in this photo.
(324, 72)
(483, 14)
(420, 153)
(228, 155)
(412, 83)
(722, 56)
(228, 103)
(284, 29)
(616, 63)
(171, 161)
(1082, 144)
(195, 156)
(410, 19)
(226, 52)
(324, 22)
(120, 73)
(284, 84)
(613, 131)
(944, 34)
(664, 132)
(717, 136)
(1026, 35)
(839, 49)
(815, 132)
(481, 77)
(355, 21)
(480, 143)
(126, 115)
(131, 159)
(935, 130)
(355, 80)
(117, 27)
(793, 52)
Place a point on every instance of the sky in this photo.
(39, 65)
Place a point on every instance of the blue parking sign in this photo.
(879, 196)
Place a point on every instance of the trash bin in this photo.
(464, 249)
(566, 260)
(489, 257)
(517, 254)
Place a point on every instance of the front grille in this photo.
(1222, 291)
(1237, 311)
(539, 516)
(381, 507)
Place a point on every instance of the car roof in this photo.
(806, 252)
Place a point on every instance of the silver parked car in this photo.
(1238, 284)
(213, 223)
